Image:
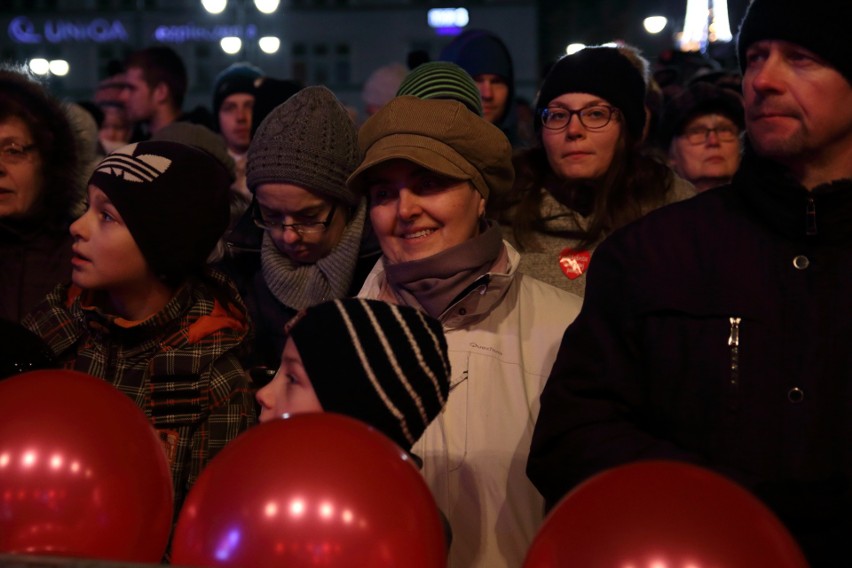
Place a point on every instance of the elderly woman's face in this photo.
(417, 213)
(576, 152)
(20, 169)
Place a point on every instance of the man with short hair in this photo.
(155, 86)
(717, 330)
(487, 59)
(233, 107)
(701, 128)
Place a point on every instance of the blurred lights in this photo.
(40, 66)
(574, 48)
(231, 45)
(29, 459)
(266, 6)
(59, 67)
(214, 6)
(270, 45)
(655, 24)
(297, 508)
(326, 510)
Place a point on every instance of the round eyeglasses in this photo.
(700, 134)
(13, 153)
(309, 228)
(592, 118)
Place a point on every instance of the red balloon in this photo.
(659, 513)
(312, 490)
(82, 472)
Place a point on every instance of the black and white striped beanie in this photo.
(383, 364)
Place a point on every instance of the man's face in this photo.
(235, 121)
(798, 108)
(495, 96)
(137, 96)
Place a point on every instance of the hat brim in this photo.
(426, 152)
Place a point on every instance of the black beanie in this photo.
(601, 71)
(697, 100)
(236, 78)
(383, 364)
(820, 26)
(173, 199)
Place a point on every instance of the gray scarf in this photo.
(301, 286)
(433, 283)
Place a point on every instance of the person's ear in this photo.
(161, 93)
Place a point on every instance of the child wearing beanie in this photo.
(302, 241)
(144, 312)
(390, 367)
(587, 173)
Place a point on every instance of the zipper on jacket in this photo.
(734, 344)
(810, 217)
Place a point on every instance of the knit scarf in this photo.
(433, 283)
(300, 286)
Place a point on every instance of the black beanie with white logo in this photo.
(173, 198)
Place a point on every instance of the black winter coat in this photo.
(718, 331)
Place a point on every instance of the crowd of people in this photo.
(633, 273)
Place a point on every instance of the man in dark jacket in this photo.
(717, 330)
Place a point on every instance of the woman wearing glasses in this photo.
(39, 187)
(300, 242)
(587, 175)
(701, 128)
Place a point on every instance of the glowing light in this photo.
(655, 24)
(271, 509)
(704, 24)
(326, 510)
(228, 545)
(347, 516)
(214, 6)
(56, 461)
(266, 6)
(29, 459)
(4, 459)
(39, 66)
(59, 67)
(610, 44)
(447, 18)
(574, 48)
(231, 45)
(297, 508)
(75, 467)
(270, 45)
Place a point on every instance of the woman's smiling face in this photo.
(417, 213)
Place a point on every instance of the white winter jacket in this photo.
(502, 337)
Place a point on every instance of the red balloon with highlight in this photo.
(312, 490)
(662, 513)
(82, 472)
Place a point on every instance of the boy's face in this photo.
(105, 255)
(290, 391)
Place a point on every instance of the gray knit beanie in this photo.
(309, 141)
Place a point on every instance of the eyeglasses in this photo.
(593, 117)
(309, 228)
(699, 134)
(13, 153)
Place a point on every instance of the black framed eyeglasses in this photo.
(13, 153)
(309, 228)
(592, 117)
(700, 134)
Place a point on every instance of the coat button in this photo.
(801, 262)
(795, 395)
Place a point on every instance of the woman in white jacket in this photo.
(429, 167)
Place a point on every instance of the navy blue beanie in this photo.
(237, 78)
(480, 52)
(601, 71)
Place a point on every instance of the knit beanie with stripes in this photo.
(383, 364)
(442, 80)
(173, 198)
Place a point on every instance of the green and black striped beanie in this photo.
(442, 80)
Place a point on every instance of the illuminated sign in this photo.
(447, 18)
(191, 32)
(23, 30)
